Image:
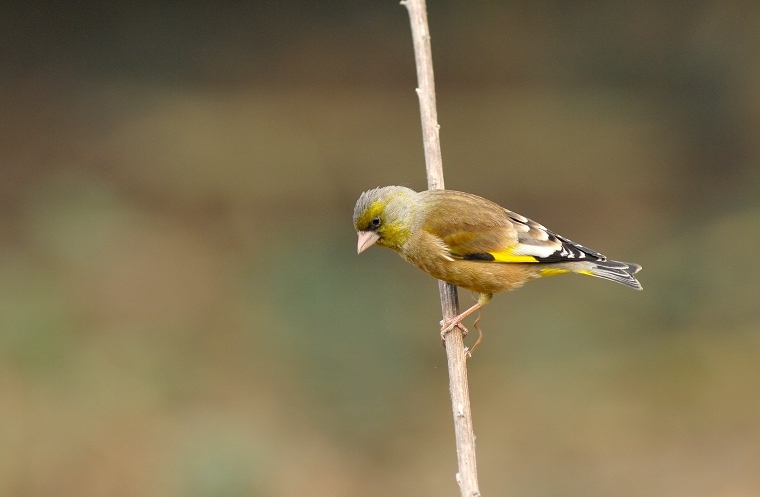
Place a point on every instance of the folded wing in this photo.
(491, 233)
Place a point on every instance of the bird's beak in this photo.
(366, 240)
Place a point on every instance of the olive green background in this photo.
(183, 313)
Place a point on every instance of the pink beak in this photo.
(366, 240)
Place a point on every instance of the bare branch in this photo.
(467, 477)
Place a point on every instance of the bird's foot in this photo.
(449, 324)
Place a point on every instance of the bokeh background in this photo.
(183, 313)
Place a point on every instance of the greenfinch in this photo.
(474, 243)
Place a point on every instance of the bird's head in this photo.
(384, 216)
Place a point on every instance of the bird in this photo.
(474, 243)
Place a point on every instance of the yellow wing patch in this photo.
(510, 257)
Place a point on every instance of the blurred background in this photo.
(183, 313)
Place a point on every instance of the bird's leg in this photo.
(448, 324)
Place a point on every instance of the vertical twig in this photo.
(467, 477)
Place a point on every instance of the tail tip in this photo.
(619, 272)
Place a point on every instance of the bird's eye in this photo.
(376, 222)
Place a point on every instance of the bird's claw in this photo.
(449, 324)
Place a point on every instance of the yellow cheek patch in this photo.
(552, 271)
(394, 235)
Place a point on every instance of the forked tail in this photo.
(619, 272)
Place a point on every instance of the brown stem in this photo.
(467, 476)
